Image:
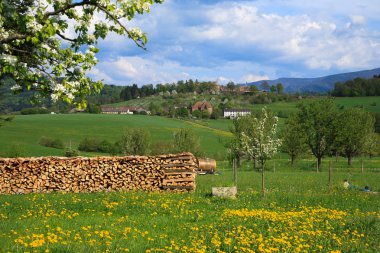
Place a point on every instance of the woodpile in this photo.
(80, 174)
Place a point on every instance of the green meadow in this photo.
(301, 212)
(24, 132)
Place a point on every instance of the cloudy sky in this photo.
(244, 41)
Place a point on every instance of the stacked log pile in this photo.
(80, 174)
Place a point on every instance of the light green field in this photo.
(299, 213)
(24, 132)
(371, 104)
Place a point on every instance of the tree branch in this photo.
(65, 38)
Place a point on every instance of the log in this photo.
(81, 174)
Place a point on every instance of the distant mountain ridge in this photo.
(318, 84)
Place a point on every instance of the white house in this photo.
(233, 113)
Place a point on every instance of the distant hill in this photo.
(319, 84)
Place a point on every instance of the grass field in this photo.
(371, 104)
(24, 132)
(299, 214)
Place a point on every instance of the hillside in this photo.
(24, 132)
(319, 84)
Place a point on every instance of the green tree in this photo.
(372, 145)
(253, 89)
(182, 112)
(197, 114)
(234, 146)
(205, 114)
(185, 140)
(293, 138)
(135, 142)
(265, 86)
(353, 128)
(273, 88)
(279, 88)
(231, 87)
(37, 53)
(317, 120)
(261, 141)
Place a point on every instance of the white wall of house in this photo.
(235, 113)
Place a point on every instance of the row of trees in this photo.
(358, 87)
(317, 128)
(188, 86)
(323, 131)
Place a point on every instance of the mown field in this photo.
(299, 214)
(24, 132)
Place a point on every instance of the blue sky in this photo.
(244, 41)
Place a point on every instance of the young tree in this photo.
(372, 145)
(234, 146)
(353, 128)
(185, 140)
(261, 141)
(37, 52)
(135, 142)
(293, 138)
(317, 120)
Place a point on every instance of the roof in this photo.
(201, 105)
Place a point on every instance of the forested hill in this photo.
(319, 84)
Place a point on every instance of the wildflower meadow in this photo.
(300, 213)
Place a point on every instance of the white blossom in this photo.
(136, 32)
(16, 87)
(54, 97)
(146, 6)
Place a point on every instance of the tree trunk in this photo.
(319, 162)
(349, 159)
(262, 180)
(292, 159)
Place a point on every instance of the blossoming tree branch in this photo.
(48, 46)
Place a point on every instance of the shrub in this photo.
(197, 114)
(34, 110)
(135, 142)
(89, 145)
(69, 152)
(185, 140)
(105, 146)
(51, 143)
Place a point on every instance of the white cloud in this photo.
(358, 19)
(253, 78)
(244, 41)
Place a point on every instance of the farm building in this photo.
(202, 106)
(233, 113)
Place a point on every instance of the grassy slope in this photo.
(24, 132)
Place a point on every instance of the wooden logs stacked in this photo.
(80, 174)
